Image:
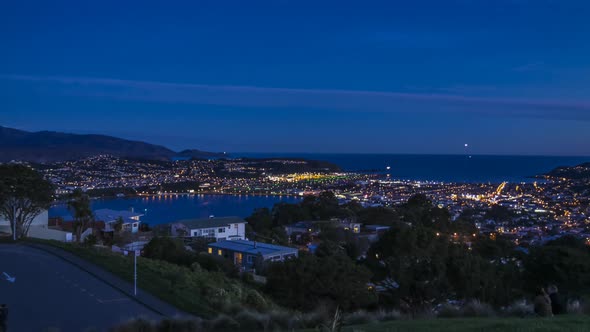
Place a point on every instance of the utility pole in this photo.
(14, 222)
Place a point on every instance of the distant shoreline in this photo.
(62, 202)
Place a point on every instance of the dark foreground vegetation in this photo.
(423, 261)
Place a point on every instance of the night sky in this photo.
(506, 77)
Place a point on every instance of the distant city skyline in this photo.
(505, 77)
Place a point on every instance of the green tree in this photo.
(410, 263)
(378, 216)
(420, 211)
(24, 194)
(305, 282)
(499, 213)
(563, 263)
(118, 226)
(493, 249)
(331, 231)
(323, 206)
(261, 219)
(285, 213)
(329, 248)
(496, 281)
(419, 266)
(168, 249)
(263, 226)
(79, 206)
(353, 206)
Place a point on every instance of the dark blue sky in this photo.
(506, 77)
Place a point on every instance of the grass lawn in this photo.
(564, 323)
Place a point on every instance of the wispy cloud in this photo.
(278, 98)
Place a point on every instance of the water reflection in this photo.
(168, 208)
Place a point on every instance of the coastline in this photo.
(109, 197)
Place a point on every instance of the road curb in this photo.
(125, 292)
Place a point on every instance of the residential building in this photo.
(314, 227)
(39, 220)
(111, 217)
(225, 228)
(245, 254)
(301, 227)
(40, 229)
(376, 230)
(348, 224)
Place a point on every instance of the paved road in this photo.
(51, 293)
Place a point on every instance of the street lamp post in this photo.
(134, 272)
(134, 251)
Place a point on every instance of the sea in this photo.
(439, 168)
(442, 168)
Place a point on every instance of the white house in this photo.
(39, 220)
(226, 228)
(110, 217)
(40, 229)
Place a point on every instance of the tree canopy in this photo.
(24, 194)
(564, 262)
(79, 206)
(305, 282)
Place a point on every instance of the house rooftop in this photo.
(377, 227)
(253, 248)
(210, 222)
(108, 215)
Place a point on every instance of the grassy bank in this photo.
(564, 323)
(193, 290)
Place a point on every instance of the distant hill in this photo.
(48, 146)
(292, 165)
(581, 171)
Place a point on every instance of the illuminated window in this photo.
(219, 252)
(210, 250)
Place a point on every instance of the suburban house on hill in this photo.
(225, 228)
(302, 227)
(111, 217)
(246, 253)
(314, 227)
